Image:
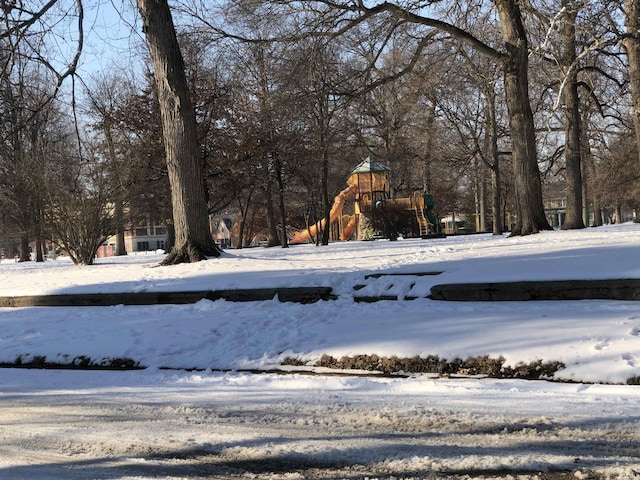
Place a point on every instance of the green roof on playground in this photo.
(369, 165)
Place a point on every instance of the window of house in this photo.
(143, 246)
(160, 245)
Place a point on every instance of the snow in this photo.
(339, 427)
(599, 341)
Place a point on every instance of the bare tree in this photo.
(105, 97)
(511, 56)
(27, 33)
(631, 42)
(193, 240)
(79, 209)
(572, 117)
(316, 80)
(34, 53)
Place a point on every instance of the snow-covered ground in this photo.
(175, 424)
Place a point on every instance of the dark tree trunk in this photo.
(528, 187)
(39, 225)
(119, 221)
(326, 199)
(586, 178)
(118, 208)
(492, 146)
(24, 249)
(273, 239)
(284, 242)
(590, 189)
(480, 196)
(244, 211)
(427, 183)
(171, 236)
(39, 248)
(632, 46)
(193, 241)
(618, 214)
(496, 201)
(573, 218)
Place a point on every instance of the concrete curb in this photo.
(611, 289)
(298, 295)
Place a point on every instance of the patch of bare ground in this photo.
(473, 366)
(80, 362)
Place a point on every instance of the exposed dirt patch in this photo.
(484, 365)
(67, 362)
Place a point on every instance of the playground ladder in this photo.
(422, 221)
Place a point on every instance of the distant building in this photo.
(145, 237)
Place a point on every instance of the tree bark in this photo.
(528, 186)
(284, 242)
(427, 180)
(632, 46)
(273, 239)
(118, 213)
(573, 216)
(480, 196)
(193, 241)
(244, 212)
(325, 192)
(492, 147)
(121, 248)
(24, 249)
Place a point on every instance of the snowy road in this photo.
(150, 425)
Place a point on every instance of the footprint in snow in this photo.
(629, 359)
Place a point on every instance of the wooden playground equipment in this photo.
(375, 213)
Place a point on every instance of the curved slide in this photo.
(334, 214)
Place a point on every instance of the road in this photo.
(152, 425)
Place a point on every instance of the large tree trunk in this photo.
(632, 45)
(528, 187)
(25, 254)
(573, 218)
(193, 240)
(494, 155)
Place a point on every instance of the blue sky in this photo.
(112, 36)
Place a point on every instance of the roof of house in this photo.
(369, 165)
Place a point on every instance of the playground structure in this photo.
(375, 213)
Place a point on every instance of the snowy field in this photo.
(171, 424)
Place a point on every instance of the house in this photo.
(147, 236)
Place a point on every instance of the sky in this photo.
(113, 36)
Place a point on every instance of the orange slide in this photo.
(334, 214)
(350, 228)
